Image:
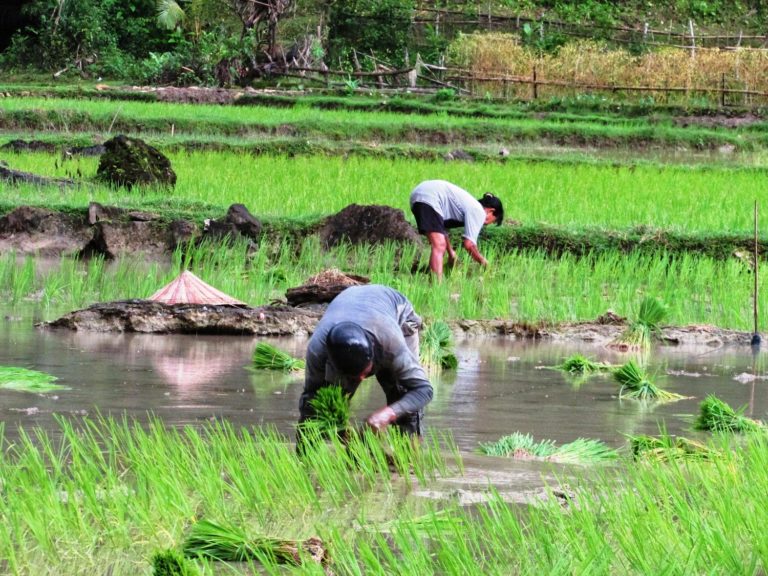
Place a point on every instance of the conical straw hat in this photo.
(189, 289)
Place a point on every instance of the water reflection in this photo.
(501, 386)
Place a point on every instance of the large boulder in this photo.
(30, 230)
(367, 224)
(238, 222)
(132, 162)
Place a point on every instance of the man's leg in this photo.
(439, 245)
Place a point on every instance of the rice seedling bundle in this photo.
(268, 357)
(635, 383)
(24, 380)
(436, 348)
(666, 447)
(641, 332)
(717, 416)
(229, 543)
(172, 563)
(331, 418)
(580, 364)
(524, 447)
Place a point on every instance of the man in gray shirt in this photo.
(439, 205)
(370, 330)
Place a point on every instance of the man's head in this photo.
(491, 202)
(350, 350)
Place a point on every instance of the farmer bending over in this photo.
(439, 205)
(370, 330)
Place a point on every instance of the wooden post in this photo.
(535, 88)
(756, 335)
(722, 91)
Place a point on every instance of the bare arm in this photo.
(471, 247)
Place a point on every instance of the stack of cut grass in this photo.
(268, 357)
(636, 384)
(578, 364)
(229, 543)
(524, 447)
(665, 448)
(172, 563)
(23, 380)
(640, 333)
(717, 416)
(436, 349)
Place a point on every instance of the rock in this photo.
(155, 317)
(323, 287)
(132, 162)
(29, 230)
(95, 150)
(183, 232)
(367, 224)
(119, 238)
(459, 155)
(238, 222)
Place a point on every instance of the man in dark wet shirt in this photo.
(370, 330)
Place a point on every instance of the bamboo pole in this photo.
(756, 336)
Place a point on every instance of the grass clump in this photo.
(268, 357)
(524, 447)
(436, 348)
(636, 384)
(640, 333)
(229, 543)
(172, 563)
(666, 447)
(717, 416)
(24, 380)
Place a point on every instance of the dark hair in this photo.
(349, 348)
(490, 201)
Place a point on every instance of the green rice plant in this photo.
(331, 416)
(436, 347)
(580, 364)
(172, 563)
(24, 380)
(229, 543)
(666, 447)
(524, 447)
(269, 357)
(640, 333)
(717, 416)
(636, 384)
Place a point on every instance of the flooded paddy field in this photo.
(501, 385)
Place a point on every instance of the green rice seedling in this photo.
(580, 364)
(640, 333)
(330, 419)
(172, 563)
(436, 347)
(24, 380)
(636, 384)
(230, 543)
(269, 357)
(717, 416)
(666, 447)
(524, 447)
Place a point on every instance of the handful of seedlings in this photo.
(229, 543)
(578, 364)
(24, 380)
(636, 384)
(524, 447)
(172, 563)
(665, 448)
(717, 416)
(268, 357)
(640, 333)
(436, 347)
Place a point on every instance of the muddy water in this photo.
(501, 385)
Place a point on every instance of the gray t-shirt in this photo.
(452, 203)
(389, 319)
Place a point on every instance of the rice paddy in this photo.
(116, 496)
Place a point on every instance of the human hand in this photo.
(381, 418)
